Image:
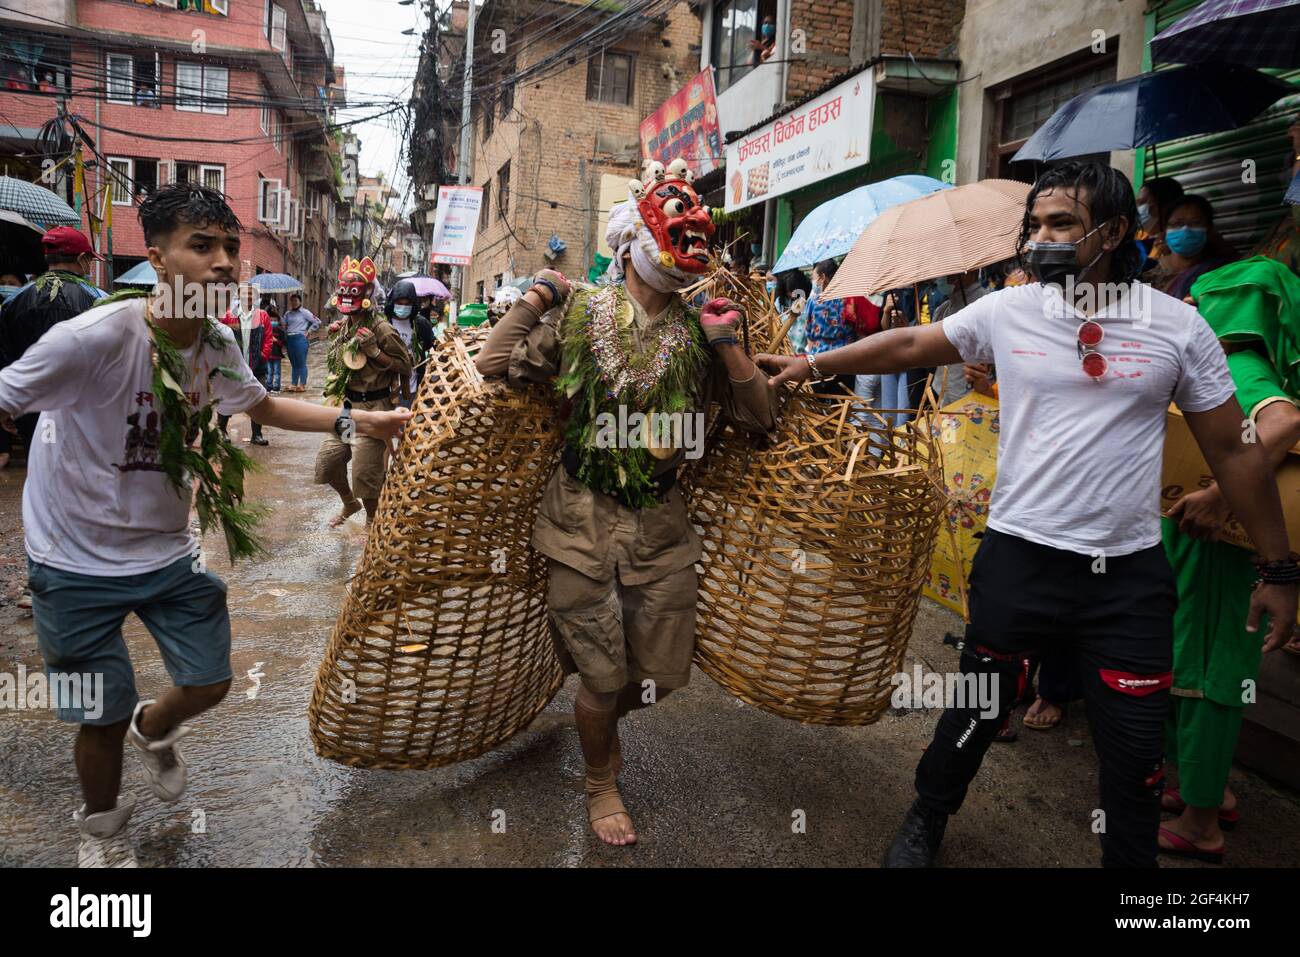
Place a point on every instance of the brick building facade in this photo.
(233, 95)
(547, 147)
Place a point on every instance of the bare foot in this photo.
(615, 829)
(1043, 714)
(349, 510)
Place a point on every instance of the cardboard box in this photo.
(1185, 470)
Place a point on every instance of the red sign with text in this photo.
(686, 124)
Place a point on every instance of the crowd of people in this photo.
(1159, 644)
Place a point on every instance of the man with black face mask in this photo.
(1088, 361)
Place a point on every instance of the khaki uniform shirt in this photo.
(370, 376)
(583, 528)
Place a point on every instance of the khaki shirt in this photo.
(370, 376)
(575, 524)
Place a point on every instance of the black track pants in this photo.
(1116, 625)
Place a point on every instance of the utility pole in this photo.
(458, 277)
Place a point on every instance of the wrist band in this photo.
(555, 293)
(729, 340)
(1283, 571)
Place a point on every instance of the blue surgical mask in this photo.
(402, 312)
(1186, 240)
(771, 287)
(769, 30)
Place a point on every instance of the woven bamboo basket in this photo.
(815, 549)
(442, 648)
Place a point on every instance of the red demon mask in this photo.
(679, 222)
(356, 279)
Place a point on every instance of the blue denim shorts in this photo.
(79, 630)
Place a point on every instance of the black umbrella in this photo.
(1249, 32)
(1153, 108)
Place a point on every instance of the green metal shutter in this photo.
(1216, 165)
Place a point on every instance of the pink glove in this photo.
(720, 318)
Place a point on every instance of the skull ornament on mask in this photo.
(679, 222)
(356, 279)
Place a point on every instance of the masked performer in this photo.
(612, 523)
(367, 364)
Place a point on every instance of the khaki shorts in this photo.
(619, 633)
(365, 452)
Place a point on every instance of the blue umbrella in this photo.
(141, 275)
(275, 282)
(1153, 108)
(1250, 32)
(832, 228)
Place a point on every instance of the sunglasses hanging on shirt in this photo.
(1088, 337)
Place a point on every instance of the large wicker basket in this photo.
(815, 547)
(442, 649)
(815, 552)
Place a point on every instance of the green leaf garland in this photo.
(626, 473)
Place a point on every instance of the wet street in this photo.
(708, 781)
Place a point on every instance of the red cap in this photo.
(69, 241)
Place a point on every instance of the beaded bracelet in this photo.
(1283, 571)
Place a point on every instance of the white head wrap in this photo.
(627, 232)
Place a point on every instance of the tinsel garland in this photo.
(601, 372)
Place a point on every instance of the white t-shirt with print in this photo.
(96, 499)
(1079, 459)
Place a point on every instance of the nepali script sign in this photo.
(686, 124)
(456, 225)
(825, 136)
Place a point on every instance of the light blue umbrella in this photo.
(275, 282)
(141, 275)
(832, 228)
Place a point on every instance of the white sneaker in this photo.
(104, 838)
(162, 758)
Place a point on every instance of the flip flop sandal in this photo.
(1227, 819)
(1043, 727)
(1182, 847)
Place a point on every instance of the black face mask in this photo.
(1055, 263)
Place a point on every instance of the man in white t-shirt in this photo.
(107, 533)
(1088, 361)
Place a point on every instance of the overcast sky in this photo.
(380, 65)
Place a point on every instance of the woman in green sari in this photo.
(1253, 307)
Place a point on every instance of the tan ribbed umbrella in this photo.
(951, 231)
